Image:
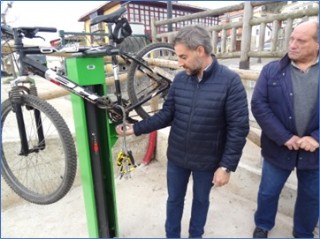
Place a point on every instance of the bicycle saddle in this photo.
(110, 18)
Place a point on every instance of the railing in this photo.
(248, 21)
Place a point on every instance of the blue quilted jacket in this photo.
(209, 120)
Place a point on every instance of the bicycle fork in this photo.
(15, 96)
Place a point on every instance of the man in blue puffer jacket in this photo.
(285, 104)
(207, 110)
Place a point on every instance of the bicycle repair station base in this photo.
(95, 137)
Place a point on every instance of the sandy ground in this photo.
(141, 212)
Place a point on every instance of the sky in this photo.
(64, 15)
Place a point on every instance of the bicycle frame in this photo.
(28, 64)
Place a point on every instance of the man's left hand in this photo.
(220, 177)
(308, 143)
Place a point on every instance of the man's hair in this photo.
(193, 37)
(315, 36)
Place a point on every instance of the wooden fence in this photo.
(245, 25)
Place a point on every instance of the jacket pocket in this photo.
(274, 92)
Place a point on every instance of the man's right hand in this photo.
(292, 143)
(121, 131)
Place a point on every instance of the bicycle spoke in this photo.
(142, 84)
(43, 175)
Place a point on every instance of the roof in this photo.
(109, 4)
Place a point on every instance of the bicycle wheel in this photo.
(46, 174)
(160, 55)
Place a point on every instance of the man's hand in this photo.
(127, 131)
(292, 143)
(220, 177)
(308, 143)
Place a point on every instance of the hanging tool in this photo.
(125, 160)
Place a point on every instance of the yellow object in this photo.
(125, 162)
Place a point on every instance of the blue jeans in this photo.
(177, 180)
(306, 212)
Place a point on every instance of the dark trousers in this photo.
(177, 180)
(306, 212)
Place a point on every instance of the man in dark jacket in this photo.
(285, 105)
(207, 110)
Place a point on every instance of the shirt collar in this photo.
(208, 68)
(306, 71)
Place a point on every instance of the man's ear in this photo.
(201, 50)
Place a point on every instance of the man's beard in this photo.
(194, 71)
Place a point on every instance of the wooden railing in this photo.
(248, 21)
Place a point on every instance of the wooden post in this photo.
(214, 41)
(233, 39)
(170, 38)
(261, 38)
(287, 33)
(275, 33)
(246, 36)
(223, 41)
(153, 30)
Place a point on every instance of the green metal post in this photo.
(95, 137)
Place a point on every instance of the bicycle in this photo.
(38, 153)
(34, 118)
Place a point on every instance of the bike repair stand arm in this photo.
(95, 138)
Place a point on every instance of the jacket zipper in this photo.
(190, 118)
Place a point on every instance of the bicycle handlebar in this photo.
(18, 33)
(38, 29)
(29, 32)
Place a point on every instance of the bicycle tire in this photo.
(137, 85)
(42, 177)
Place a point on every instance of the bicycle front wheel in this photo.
(46, 173)
(156, 55)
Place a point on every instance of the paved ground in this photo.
(141, 211)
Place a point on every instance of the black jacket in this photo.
(209, 120)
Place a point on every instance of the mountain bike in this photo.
(38, 152)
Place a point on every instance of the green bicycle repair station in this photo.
(95, 136)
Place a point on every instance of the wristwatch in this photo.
(226, 169)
